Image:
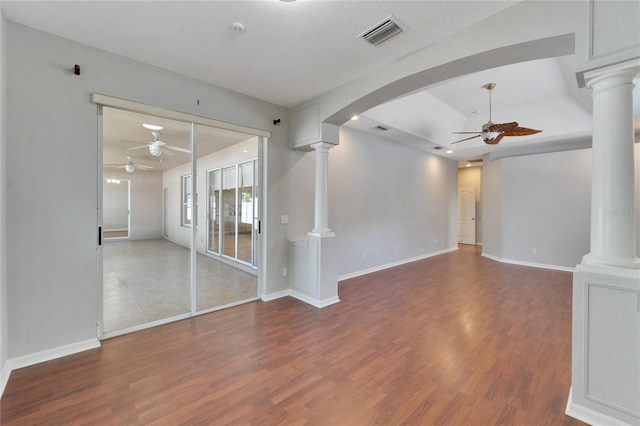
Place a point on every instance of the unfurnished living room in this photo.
(320, 212)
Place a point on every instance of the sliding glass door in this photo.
(233, 189)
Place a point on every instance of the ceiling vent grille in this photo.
(381, 128)
(382, 32)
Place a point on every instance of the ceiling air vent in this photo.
(382, 31)
(381, 128)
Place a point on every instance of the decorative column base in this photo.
(605, 345)
(313, 266)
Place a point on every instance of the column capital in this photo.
(624, 72)
(322, 146)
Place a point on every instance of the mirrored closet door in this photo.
(189, 240)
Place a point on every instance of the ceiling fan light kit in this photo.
(492, 133)
(156, 147)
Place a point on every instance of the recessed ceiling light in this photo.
(355, 117)
(449, 151)
(468, 164)
(151, 126)
(245, 151)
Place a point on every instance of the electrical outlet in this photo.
(435, 242)
(534, 250)
(284, 219)
(364, 255)
(284, 272)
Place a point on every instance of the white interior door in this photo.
(467, 215)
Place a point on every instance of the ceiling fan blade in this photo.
(504, 127)
(466, 139)
(138, 147)
(165, 151)
(466, 133)
(120, 167)
(136, 142)
(145, 168)
(175, 148)
(521, 131)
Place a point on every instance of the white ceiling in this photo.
(294, 51)
(289, 53)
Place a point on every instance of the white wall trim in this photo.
(530, 264)
(49, 354)
(393, 264)
(114, 102)
(6, 372)
(297, 295)
(314, 302)
(276, 295)
(590, 416)
(43, 356)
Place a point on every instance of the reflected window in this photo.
(186, 201)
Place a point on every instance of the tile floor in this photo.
(148, 280)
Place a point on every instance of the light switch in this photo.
(284, 219)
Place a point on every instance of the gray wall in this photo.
(3, 253)
(51, 123)
(546, 206)
(541, 201)
(492, 207)
(388, 202)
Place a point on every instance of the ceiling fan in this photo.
(492, 133)
(129, 166)
(157, 147)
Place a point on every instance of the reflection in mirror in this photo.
(115, 208)
(223, 277)
(148, 275)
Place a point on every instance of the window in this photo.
(185, 216)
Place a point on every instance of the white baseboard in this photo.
(43, 356)
(314, 302)
(49, 354)
(306, 299)
(6, 372)
(393, 264)
(530, 264)
(276, 295)
(590, 416)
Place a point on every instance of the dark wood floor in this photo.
(455, 339)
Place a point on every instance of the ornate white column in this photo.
(613, 214)
(321, 216)
(314, 262)
(605, 373)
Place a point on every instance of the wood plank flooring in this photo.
(455, 339)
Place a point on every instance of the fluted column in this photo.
(321, 216)
(613, 214)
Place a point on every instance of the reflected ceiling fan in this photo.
(130, 166)
(492, 133)
(157, 147)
